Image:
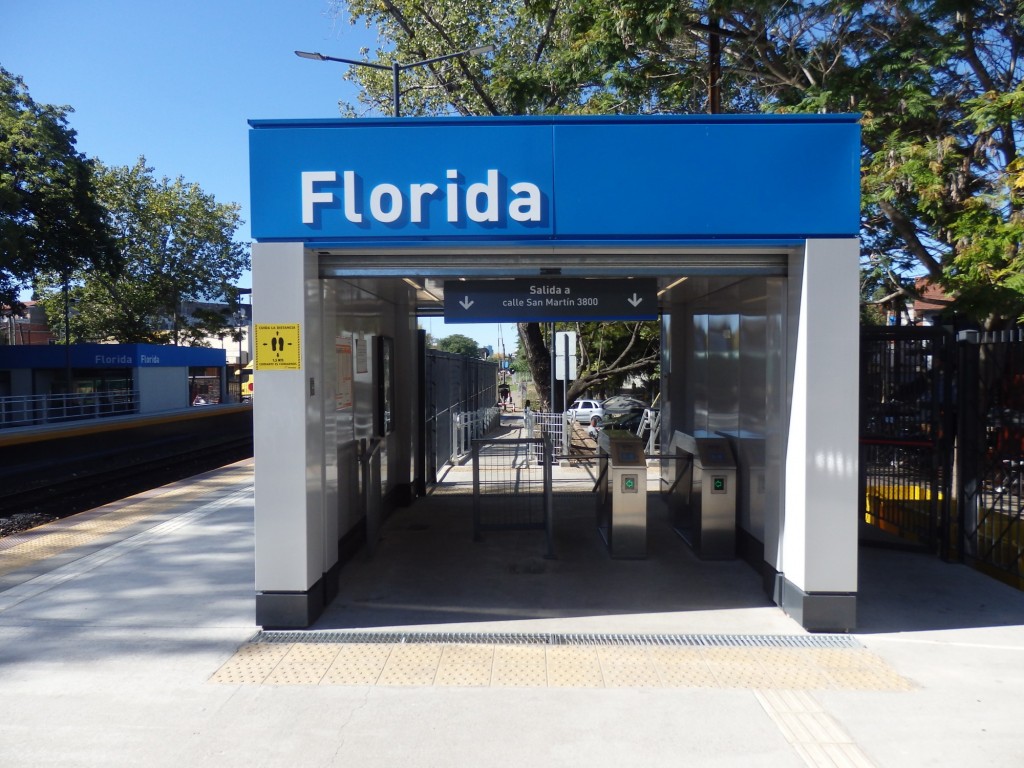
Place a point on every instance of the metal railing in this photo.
(369, 465)
(650, 423)
(453, 384)
(990, 439)
(469, 426)
(34, 410)
(921, 388)
(556, 427)
(518, 490)
(654, 442)
(906, 430)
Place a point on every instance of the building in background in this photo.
(30, 327)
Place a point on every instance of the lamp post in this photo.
(241, 333)
(395, 67)
(67, 331)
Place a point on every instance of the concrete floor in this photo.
(111, 653)
(428, 571)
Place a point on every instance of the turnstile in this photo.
(751, 488)
(622, 494)
(703, 499)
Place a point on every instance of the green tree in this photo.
(50, 219)
(550, 57)
(939, 85)
(460, 345)
(179, 253)
(607, 354)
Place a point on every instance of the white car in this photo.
(583, 411)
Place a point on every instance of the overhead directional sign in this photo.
(548, 300)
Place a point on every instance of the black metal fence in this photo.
(991, 429)
(942, 442)
(906, 432)
(454, 384)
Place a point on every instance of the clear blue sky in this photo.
(177, 81)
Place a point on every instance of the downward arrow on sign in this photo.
(635, 301)
(467, 303)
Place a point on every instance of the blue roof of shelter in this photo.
(109, 356)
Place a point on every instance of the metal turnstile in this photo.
(751, 490)
(703, 495)
(622, 494)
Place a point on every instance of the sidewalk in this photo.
(110, 658)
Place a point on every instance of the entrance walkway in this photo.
(429, 571)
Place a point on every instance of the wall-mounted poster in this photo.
(362, 365)
(343, 349)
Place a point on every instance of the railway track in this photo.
(73, 490)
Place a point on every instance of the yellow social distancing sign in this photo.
(278, 347)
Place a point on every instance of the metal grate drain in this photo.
(554, 638)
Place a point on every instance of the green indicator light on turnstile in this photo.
(629, 483)
(719, 484)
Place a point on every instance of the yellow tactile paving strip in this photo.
(26, 550)
(812, 732)
(558, 666)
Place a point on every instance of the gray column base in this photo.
(288, 610)
(817, 611)
(297, 610)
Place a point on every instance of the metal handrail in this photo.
(367, 454)
(33, 410)
(470, 425)
(369, 448)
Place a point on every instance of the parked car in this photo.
(628, 422)
(623, 404)
(584, 410)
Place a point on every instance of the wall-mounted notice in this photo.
(362, 366)
(343, 348)
(278, 347)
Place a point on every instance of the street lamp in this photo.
(241, 333)
(394, 66)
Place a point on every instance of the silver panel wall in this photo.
(718, 358)
(358, 314)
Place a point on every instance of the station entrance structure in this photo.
(748, 224)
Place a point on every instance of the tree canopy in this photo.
(459, 344)
(49, 216)
(178, 249)
(938, 85)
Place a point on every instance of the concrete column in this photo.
(818, 557)
(288, 441)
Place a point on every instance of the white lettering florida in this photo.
(480, 202)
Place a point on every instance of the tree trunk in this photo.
(538, 357)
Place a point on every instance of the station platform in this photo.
(127, 638)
